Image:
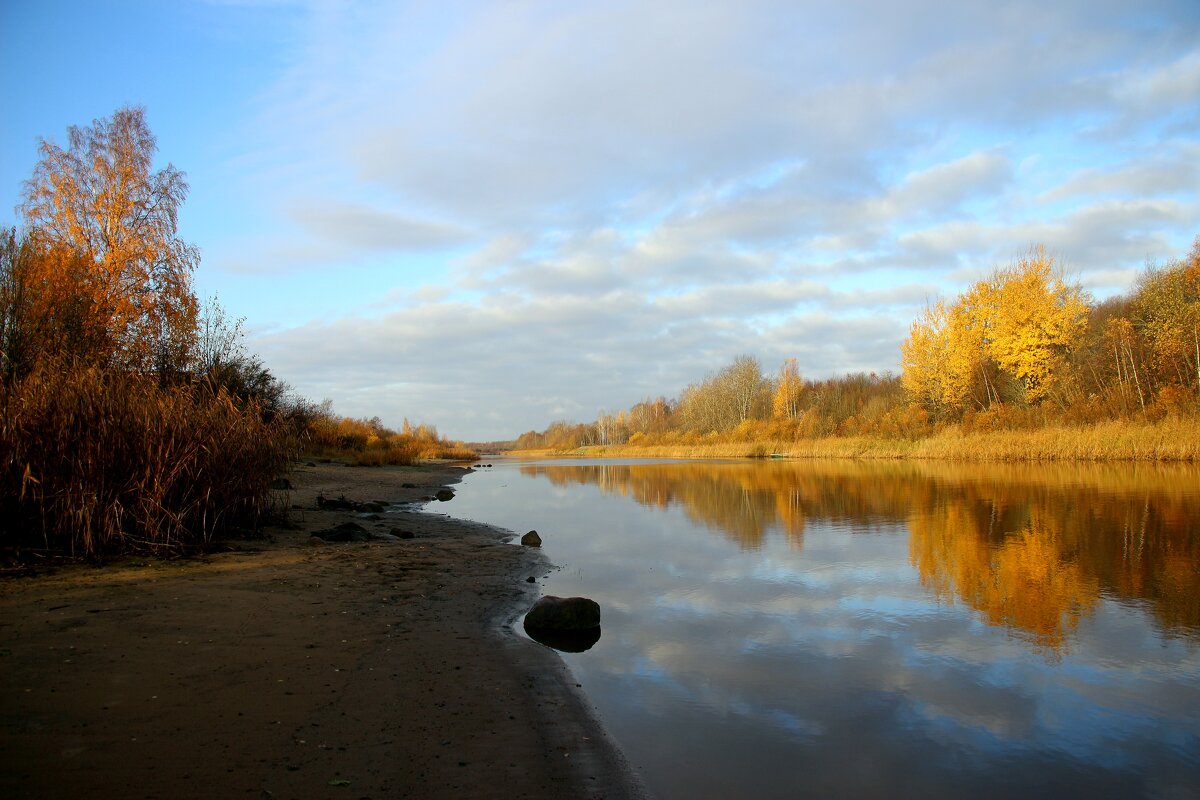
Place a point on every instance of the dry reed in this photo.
(1169, 439)
(95, 462)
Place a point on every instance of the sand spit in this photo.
(290, 669)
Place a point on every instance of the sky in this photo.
(491, 216)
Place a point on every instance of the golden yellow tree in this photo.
(785, 403)
(941, 356)
(98, 205)
(1022, 322)
(1033, 319)
(966, 369)
(922, 356)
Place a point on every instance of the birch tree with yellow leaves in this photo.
(785, 403)
(1033, 320)
(105, 227)
(1011, 330)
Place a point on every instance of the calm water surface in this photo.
(783, 629)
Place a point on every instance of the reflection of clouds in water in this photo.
(818, 660)
(840, 647)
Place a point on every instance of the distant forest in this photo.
(1020, 350)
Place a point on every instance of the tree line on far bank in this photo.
(1021, 350)
(131, 414)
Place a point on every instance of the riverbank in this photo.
(1170, 439)
(284, 668)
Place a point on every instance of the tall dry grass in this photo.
(95, 462)
(1167, 439)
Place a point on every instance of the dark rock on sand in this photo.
(339, 504)
(531, 539)
(402, 534)
(444, 495)
(563, 614)
(346, 532)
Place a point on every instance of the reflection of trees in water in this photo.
(1036, 556)
(1031, 547)
(1024, 581)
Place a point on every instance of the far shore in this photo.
(1170, 439)
(287, 668)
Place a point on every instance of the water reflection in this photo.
(880, 629)
(565, 641)
(1031, 548)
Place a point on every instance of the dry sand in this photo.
(285, 669)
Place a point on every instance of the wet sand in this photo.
(290, 669)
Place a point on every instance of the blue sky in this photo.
(488, 216)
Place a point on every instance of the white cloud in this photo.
(614, 199)
(1170, 168)
(362, 227)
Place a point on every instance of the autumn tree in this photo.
(1166, 310)
(923, 357)
(1013, 330)
(785, 403)
(945, 363)
(737, 392)
(650, 416)
(23, 329)
(105, 228)
(1033, 319)
(745, 387)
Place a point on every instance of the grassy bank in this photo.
(1170, 439)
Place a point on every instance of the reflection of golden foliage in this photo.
(789, 509)
(1036, 589)
(1030, 546)
(1024, 584)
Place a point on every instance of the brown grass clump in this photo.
(95, 462)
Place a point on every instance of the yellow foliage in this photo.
(785, 403)
(1034, 318)
(105, 229)
(1022, 321)
(923, 356)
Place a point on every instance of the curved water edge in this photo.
(773, 622)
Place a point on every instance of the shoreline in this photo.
(289, 668)
(1173, 439)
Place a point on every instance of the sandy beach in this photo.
(284, 668)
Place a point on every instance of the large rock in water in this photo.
(531, 539)
(563, 614)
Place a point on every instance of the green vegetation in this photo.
(1021, 366)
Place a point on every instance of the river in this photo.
(879, 629)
